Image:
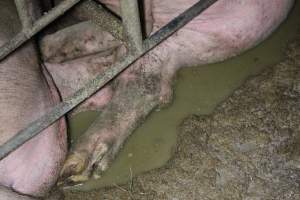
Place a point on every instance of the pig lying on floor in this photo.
(77, 54)
(224, 30)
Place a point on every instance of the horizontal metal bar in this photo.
(41, 23)
(94, 85)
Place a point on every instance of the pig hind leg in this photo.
(137, 93)
(73, 64)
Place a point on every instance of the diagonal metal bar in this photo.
(132, 25)
(62, 108)
(41, 23)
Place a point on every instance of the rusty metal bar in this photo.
(132, 25)
(94, 85)
(41, 23)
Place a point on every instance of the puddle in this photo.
(80, 123)
(197, 91)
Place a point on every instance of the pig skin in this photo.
(226, 29)
(27, 92)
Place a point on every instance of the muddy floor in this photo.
(249, 148)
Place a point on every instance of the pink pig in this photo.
(76, 54)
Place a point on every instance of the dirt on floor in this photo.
(249, 148)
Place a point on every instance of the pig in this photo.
(76, 54)
(224, 30)
(27, 92)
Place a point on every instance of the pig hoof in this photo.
(80, 167)
(75, 164)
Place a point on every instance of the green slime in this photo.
(197, 91)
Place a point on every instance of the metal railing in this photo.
(129, 30)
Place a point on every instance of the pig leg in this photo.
(138, 91)
(217, 34)
(72, 64)
(77, 41)
(22, 101)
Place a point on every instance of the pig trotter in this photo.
(75, 164)
(137, 94)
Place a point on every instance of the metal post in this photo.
(132, 25)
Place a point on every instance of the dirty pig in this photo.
(76, 54)
(224, 30)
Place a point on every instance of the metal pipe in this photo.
(132, 25)
(24, 14)
(41, 23)
(94, 85)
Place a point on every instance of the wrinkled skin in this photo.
(226, 29)
(26, 93)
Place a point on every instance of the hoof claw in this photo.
(80, 167)
(75, 164)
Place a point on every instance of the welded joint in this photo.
(132, 25)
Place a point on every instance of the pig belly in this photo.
(226, 29)
(7, 194)
(25, 95)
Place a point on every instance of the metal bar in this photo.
(132, 25)
(62, 108)
(24, 14)
(41, 23)
(90, 10)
